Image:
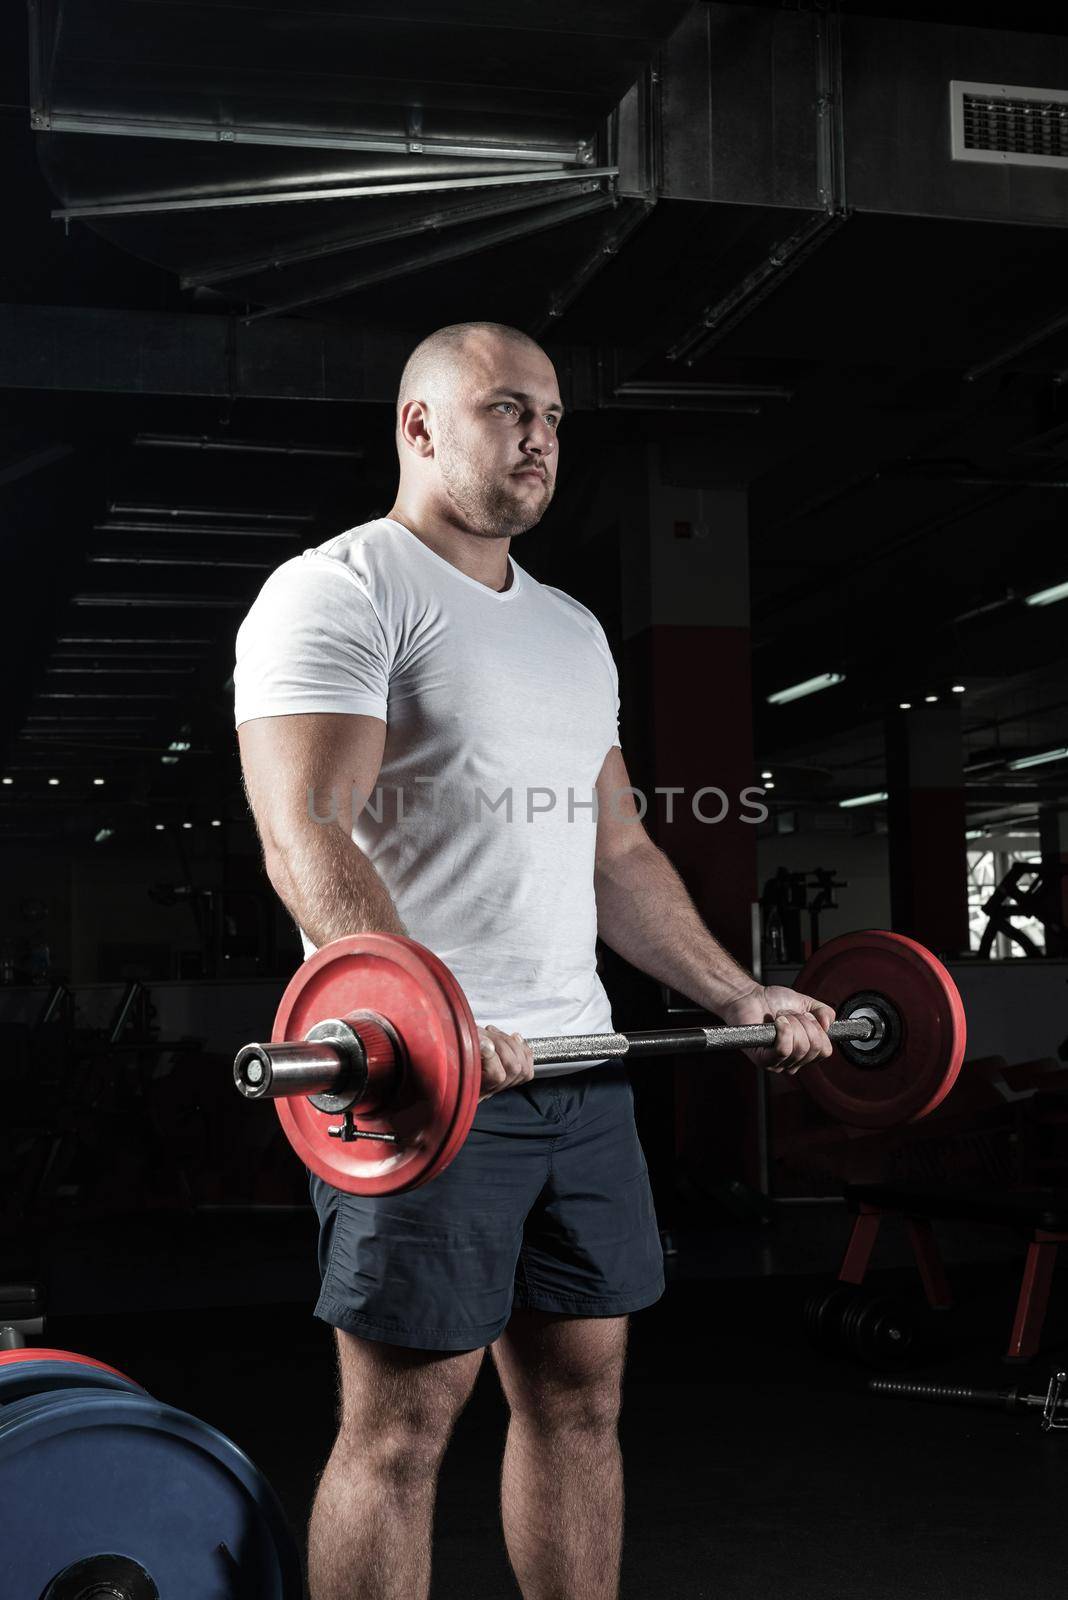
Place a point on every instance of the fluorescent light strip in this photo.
(1046, 597)
(1037, 761)
(826, 680)
(864, 800)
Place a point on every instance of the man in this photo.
(429, 740)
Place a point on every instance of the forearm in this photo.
(328, 885)
(645, 914)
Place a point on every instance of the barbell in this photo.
(374, 1063)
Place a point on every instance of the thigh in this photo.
(549, 1363)
(389, 1388)
(591, 1245)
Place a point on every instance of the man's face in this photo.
(495, 438)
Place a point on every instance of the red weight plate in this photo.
(9, 1358)
(434, 1107)
(933, 1031)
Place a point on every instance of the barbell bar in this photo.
(375, 1027)
(316, 1068)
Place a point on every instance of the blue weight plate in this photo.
(85, 1471)
(31, 1377)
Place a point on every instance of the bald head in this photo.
(443, 360)
(477, 418)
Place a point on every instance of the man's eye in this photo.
(505, 405)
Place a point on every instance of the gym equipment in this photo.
(921, 1047)
(1030, 890)
(784, 901)
(873, 1329)
(375, 1027)
(1041, 1215)
(25, 1372)
(106, 1492)
(1053, 1406)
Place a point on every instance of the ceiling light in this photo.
(1037, 761)
(159, 827)
(810, 686)
(765, 774)
(1046, 597)
(169, 761)
(215, 822)
(864, 800)
(187, 824)
(178, 744)
(98, 783)
(103, 834)
(769, 785)
(904, 705)
(930, 699)
(9, 780)
(53, 783)
(958, 688)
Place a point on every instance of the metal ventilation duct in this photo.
(1026, 127)
(288, 156)
(805, 111)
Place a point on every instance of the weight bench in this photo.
(1041, 1214)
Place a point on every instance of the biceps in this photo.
(619, 824)
(321, 767)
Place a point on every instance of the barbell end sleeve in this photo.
(252, 1072)
(297, 1067)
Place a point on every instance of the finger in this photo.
(494, 1076)
(509, 1051)
(792, 1044)
(787, 1040)
(526, 1055)
(784, 1042)
(801, 1041)
(817, 1033)
(816, 1043)
(823, 1014)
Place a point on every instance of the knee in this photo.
(591, 1409)
(402, 1452)
(406, 1456)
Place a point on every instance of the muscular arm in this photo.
(325, 765)
(643, 910)
(645, 913)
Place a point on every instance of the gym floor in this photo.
(755, 1464)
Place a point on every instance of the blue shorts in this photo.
(547, 1206)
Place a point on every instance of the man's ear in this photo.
(414, 427)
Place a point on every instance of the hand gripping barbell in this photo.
(375, 1068)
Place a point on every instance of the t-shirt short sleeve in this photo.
(312, 641)
(615, 687)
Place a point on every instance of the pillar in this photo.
(689, 727)
(926, 815)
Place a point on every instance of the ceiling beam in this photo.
(94, 350)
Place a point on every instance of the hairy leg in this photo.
(369, 1537)
(562, 1481)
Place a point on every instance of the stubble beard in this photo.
(491, 508)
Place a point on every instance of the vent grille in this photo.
(1003, 123)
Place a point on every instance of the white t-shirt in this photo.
(500, 709)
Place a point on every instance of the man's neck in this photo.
(484, 560)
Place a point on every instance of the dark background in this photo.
(784, 296)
